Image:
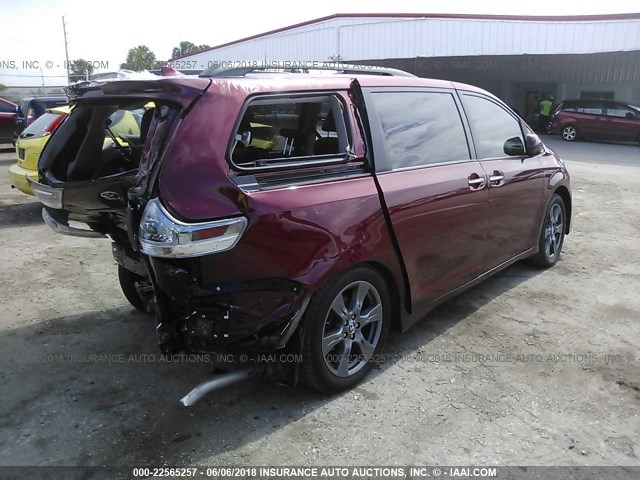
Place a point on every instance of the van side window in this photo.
(420, 128)
(287, 130)
(620, 111)
(491, 126)
(591, 107)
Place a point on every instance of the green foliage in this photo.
(140, 58)
(187, 47)
(79, 68)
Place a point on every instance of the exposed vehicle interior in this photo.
(277, 130)
(98, 141)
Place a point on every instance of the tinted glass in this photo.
(7, 108)
(619, 111)
(23, 107)
(491, 126)
(36, 129)
(591, 108)
(420, 128)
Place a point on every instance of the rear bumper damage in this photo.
(253, 316)
(254, 319)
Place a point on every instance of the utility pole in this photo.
(66, 49)
(44, 89)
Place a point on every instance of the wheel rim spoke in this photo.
(339, 307)
(366, 348)
(331, 340)
(374, 314)
(343, 363)
(358, 298)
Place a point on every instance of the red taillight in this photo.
(49, 129)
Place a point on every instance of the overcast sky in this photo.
(104, 31)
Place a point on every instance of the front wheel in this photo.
(570, 133)
(346, 326)
(552, 234)
(137, 289)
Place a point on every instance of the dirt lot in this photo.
(559, 384)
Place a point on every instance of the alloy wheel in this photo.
(569, 133)
(553, 232)
(352, 329)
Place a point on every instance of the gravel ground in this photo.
(530, 368)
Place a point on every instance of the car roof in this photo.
(8, 101)
(263, 83)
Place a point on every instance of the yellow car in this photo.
(30, 143)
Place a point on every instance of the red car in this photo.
(598, 119)
(377, 198)
(8, 112)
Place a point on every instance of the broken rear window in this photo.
(277, 132)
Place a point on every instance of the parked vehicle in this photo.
(29, 109)
(7, 119)
(29, 146)
(387, 195)
(600, 119)
(33, 139)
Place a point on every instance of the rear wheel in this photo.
(137, 289)
(346, 326)
(569, 133)
(552, 234)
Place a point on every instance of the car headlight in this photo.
(162, 235)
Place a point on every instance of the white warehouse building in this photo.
(518, 58)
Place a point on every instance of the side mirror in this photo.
(533, 144)
(514, 147)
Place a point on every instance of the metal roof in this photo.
(353, 37)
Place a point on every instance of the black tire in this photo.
(128, 282)
(552, 236)
(569, 133)
(324, 369)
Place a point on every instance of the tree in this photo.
(139, 58)
(2, 87)
(79, 69)
(186, 47)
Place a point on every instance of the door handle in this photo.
(496, 179)
(476, 182)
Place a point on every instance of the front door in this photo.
(623, 123)
(515, 183)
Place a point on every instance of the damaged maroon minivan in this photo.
(263, 212)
